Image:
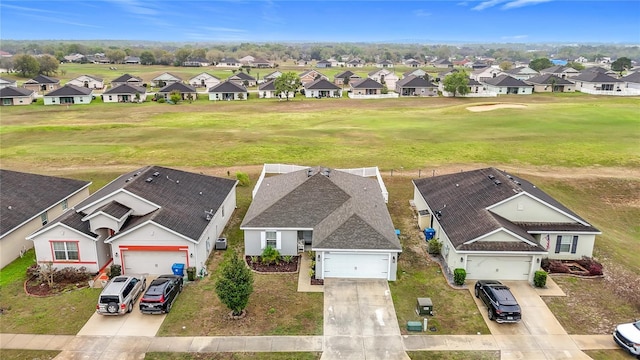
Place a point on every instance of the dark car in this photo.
(501, 304)
(161, 294)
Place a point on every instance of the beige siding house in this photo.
(88, 81)
(16, 96)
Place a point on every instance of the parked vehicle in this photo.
(161, 294)
(501, 304)
(119, 295)
(628, 337)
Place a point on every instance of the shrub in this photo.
(161, 100)
(254, 259)
(235, 285)
(33, 270)
(288, 259)
(556, 266)
(434, 246)
(540, 278)
(270, 255)
(116, 270)
(243, 179)
(312, 273)
(72, 275)
(459, 275)
(544, 264)
(594, 267)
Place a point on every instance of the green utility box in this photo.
(424, 306)
(414, 326)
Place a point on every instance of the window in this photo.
(65, 250)
(271, 239)
(566, 243)
(65, 204)
(607, 87)
(223, 211)
(44, 218)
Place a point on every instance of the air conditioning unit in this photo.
(221, 244)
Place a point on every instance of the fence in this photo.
(380, 96)
(621, 92)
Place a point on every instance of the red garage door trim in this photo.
(124, 248)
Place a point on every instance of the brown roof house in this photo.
(415, 86)
(550, 83)
(42, 83)
(498, 226)
(30, 201)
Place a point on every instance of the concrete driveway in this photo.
(360, 321)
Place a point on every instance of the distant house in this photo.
(204, 80)
(414, 72)
(485, 73)
(322, 88)
(229, 62)
(550, 83)
(505, 85)
(346, 77)
(196, 62)
(187, 92)
(165, 79)
(11, 95)
(74, 58)
(132, 60)
(632, 80)
(443, 63)
(581, 60)
(384, 64)
(125, 93)
(246, 60)
(601, 70)
(267, 90)
(126, 79)
(228, 90)
(560, 71)
(323, 64)
(242, 78)
(310, 76)
(384, 77)
(261, 63)
(366, 86)
(444, 74)
(415, 86)
(42, 83)
(521, 72)
(597, 83)
(412, 63)
(272, 75)
(7, 82)
(88, 81)
(68, 95)
(355, 63)
(30, 201)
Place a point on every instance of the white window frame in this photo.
(264, 240)
(44, 218)
(65, 204)
(565, 243)
(66, 249)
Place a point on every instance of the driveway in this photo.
(360, 321)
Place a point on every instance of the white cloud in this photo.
(27, 9)
(515, 37)
(421, 13)
(135, 7)
(487, 4)
(521, 3)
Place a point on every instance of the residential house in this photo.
(346, 77)
(505, 84)
(601, 70)
(485, 73)
(272, 75)
(165, 79)
(30, 201)
(7, 82)
(521, 72)
(125, 93)
(242, 78)
(187, 92)
(414, 72)
(415, 86)
(322, 88)
(267, 90)
(366, 86)
(632, 80)
(443, 63)
(74, 58)
(145, 221)
(598, 83)
(11, 95)
(310, 76)
(228, 90)
(581, 60)
(340, 216)
(412, 63)
(132, 60)
(204, 80)
(355, 63)
(550, 83)
(88, 81)
(261, 63)
(68, 95)
(246, 60)
(444, 74)
(323, 64)
(127, 79)
(196, 62)
(384, 77)
(41, 83)
(498, 226)
(229, 62)
(384, 64)
(560, 71)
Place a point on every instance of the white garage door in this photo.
(498, 267)
(152, 262)
(356, 265)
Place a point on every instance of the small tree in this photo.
(175, 96)
(540, 63)
(235, 285)
(26, 65)
(137, 96)
(243, 179)
(287, 83)
(457, 83)
(540, 278)
(459, 275)
(434, 246)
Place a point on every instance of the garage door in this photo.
(152, 262)
(356, 265)
(498, 267)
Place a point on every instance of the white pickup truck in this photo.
(628, 336)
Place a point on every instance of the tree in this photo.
(288, 82)
(621, 64)
(147, 58)
(575, 65)
(26, 65)
(48, 64)
(175, 96)
(506, 65)
(540, 63)
(457, 83)
(116, 55)
(235, 284)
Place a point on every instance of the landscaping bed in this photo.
(282, 266)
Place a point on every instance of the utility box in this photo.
(424, 219)
(221, 244)
(429, 233)
(424, 306)
(414, 326)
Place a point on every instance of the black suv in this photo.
(501, 305)
(161, 294)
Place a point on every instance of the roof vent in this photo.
(497, 182)
(309, 172)
(150, 179)
(156, 174)
(326, 172)
(491, 177)
(208, 214)
(129, 179)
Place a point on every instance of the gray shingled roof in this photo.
(268, 86)
(414, 81)
(177, 86)
(24, 195)
(183, 197)
(467, 196)
(6, 81)
(595, 77)
(506, 80)
(242, 76)
(12, 91)
(345, 211)
(344, 74)
(126, 77)
(89, 76)
(228, 87)
(632, 78)
(547, 79)
(42, 79)
(367, 83)
(126, 89)
(114, 209)
(321, 84)
(70, 90)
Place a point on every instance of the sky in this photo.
(444, 21)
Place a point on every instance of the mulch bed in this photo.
(282, 267)
(315, 281)
(35, 288)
